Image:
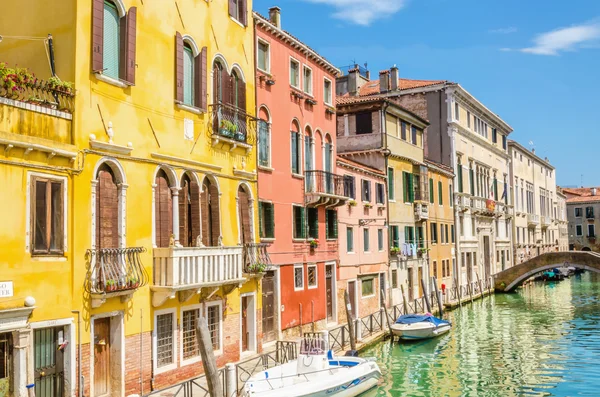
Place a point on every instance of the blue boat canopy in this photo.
(416, 318)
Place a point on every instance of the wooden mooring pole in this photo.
(480, 285)
(350, 321)
(425, 295)
(209, 361)
(387, 316)
(458, 290)
(405, 304)
(437, 294)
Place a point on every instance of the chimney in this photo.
(275, 16)
(593, 191)
(368, 73)
(394, 78)
(353, 81)
(533, 150)
(384, 81)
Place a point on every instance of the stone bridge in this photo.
(511, 278)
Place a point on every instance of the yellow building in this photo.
(156, 164)
(442, 235)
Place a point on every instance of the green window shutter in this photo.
(333, 219)
(460, 178)
(440, 193)
(450, 195)
(313, 222)
(327, 224)
(295, 159)
(303, 222)
(366, 240)
(405, 186)
(349, 240)
(495, 189)
(269, 221)
(261, 231)
(390, 183)
(431, 190)
(112, 31)
(452, 232)
(472, 181)
(188, 76)
(411, 190)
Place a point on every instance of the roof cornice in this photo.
(529, 153)
(466, 95)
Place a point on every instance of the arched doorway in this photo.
(209, 207)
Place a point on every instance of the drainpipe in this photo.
(80, 381)
(387, 207)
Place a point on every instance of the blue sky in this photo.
(535, 63)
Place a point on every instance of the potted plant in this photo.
(422, 251)
(111, 285)
(133, 282)
(394, 250)
(368, 205)
(314, 243)
(352, 203)
(257, 267)
(227, 128)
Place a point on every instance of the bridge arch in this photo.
(511, 278)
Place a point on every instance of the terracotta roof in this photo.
(352, 100)
(372, 87)
(443, 167)
(581, 194)
(359, 165)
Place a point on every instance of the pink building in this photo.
(299, 190)
(363, 240)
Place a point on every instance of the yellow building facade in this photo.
(157, 163)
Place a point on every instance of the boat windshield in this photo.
(313, 345)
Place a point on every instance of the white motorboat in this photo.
(416, 327)
(316, 373)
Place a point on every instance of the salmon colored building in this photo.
(299, 189)
(363, 237)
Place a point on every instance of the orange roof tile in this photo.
(581, 194)
(359, 165)
(372, 87)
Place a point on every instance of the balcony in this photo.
(421, 212)
(256, 258)
(187, 270)
(464, 201)
(500, 209)
(546, 221)
(231, 126)
(533, 219)
(114, 272)
(483, 206)
(324, 188)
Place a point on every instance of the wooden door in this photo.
(329, 291)
(420, 277)
(245, 327)
(49, 362)
(352, 297)
(268, 311)
(102, 357)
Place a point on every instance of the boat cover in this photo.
(416, 318)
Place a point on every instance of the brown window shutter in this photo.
(107, 219)
(243, 12)
(204, 210)
(200, 68)
(216, 74)
(241, 95)
(195, 211)
(97, 35)
(130, 45)
(122, 47)
(183, 215)
(244, 208)
(214, 215)
(164, 211)
(178, 67)
(226, 86)
(232, 8)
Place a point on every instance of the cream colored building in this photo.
(537, 211)
(562, 220)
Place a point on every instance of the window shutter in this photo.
(226, 86)
(460, 178)
(97, 35)
(313, 218)
(243, 12)
(363, 191)
(241, 94)
(411, 188)
(130, 45)
(294, 152)
(471, 182)
(303, 222)
(391, 183)
(335, 223)
(183, 216)
(440, 193)
(164, 212)
(232, 10)
(214, 215)
(431, 190)
(269, 221)
(195, 212)
(178, 67)
(327, 224)
(204, 215)
(200, 70)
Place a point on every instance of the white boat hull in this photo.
(340, 381)
(418, 331)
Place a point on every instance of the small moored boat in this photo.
(415, 326)
(316, 373)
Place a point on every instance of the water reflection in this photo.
(542, 341)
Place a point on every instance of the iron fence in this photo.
(196, 387)
(285, 351)
(115, 270)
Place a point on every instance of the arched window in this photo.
(238, 92)
(209, 207)
(114, 40)
(244, 216)
(308, 149)
(112, 31)
(220, 77)
(107, 209)
(296, 147)
(189, 211)
(328, 164)
(188, 75)
(264, 137)
(163, 207)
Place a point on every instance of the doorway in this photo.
(6, 363)
(268, 309)
(420, 277)
(352, 294)
(49, 364)
(248, 323)
(107, 356)
(102, 357)
(486, 255)
(329, 292)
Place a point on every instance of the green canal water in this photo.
(542, 341)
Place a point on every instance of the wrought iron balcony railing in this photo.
(323, 182)
(232, 123)
(256, 257)
(113, 270)
(48, 94)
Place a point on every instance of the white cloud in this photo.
(565, 39)
(362, 12)
(508, 30)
